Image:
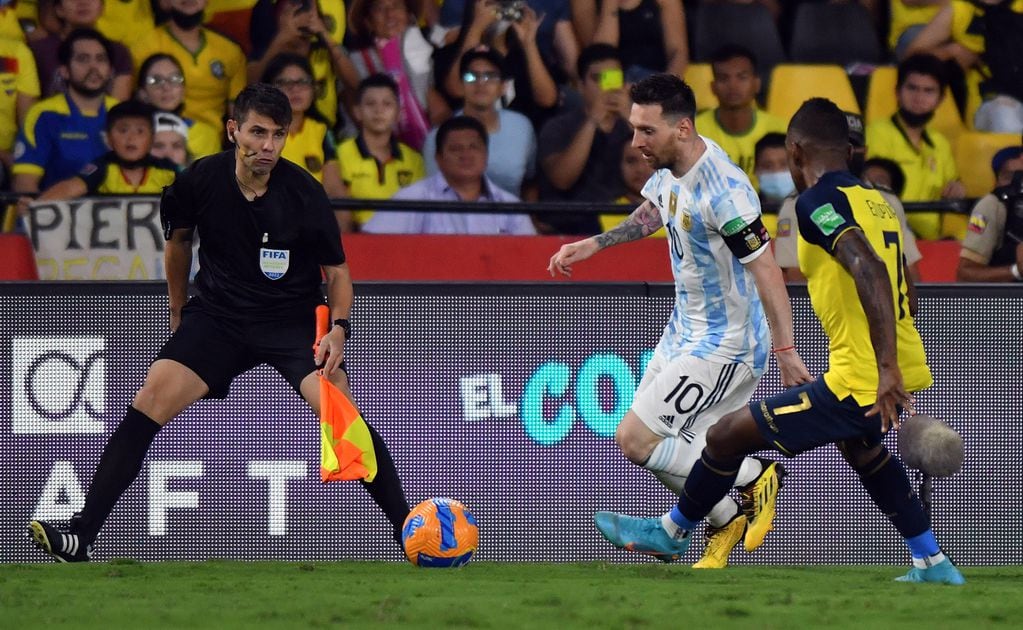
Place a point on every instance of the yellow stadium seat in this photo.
(973, 152)
(699, 77)
(881, 103)
(791, 84)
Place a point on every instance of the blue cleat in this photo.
(942, 573)
(640, 535)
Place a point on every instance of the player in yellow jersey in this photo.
(850, 243)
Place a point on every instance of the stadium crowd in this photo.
(936, 84)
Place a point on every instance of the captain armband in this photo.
(744, 239)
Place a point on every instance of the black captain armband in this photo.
(745, 239)
(344, 323)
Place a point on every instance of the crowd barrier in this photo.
(503, 395)
(120, 238)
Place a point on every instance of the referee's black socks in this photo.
(386, 486)
(118, 466)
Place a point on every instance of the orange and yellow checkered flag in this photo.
(346, 447)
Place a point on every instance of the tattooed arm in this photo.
(875, 293)
(644, 221)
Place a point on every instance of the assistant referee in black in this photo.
(267, 230)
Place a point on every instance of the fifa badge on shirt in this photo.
(274, 262)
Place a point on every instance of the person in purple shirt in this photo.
(462, 160)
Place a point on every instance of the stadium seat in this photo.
(699, 76)
(973, 152)
(881, 103)
(791, 84)
(17, 260)
(749, 25)
(839, 33)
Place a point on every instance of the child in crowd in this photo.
(128, 168)
(375, 164)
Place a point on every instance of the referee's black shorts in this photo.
(219, 348)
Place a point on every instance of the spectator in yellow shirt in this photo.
(375, 164)
(213, 65)
(737, 123)
(162, 85)
(310, 141)
(923, 153)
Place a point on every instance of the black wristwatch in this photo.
(343, 323)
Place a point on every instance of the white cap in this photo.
(163, 121)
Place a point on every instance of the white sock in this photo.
(670, 526)
(748, 472)
(673, 458)
(722, 512)
(923, 563)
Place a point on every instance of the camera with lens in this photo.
(510, 10)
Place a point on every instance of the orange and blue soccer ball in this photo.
(440, 533)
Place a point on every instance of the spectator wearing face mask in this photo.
(787, 235)
(771, 167)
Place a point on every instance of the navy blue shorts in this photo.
(810, 415)
(219, 348)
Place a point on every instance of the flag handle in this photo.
(322, 324)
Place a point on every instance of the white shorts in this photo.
(684, 397)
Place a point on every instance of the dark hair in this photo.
(263, 99)
(894, 171)
(924, 64)
(67, 46)
(359, 28)
(378, 80)
(279, 63)
(733, 51)
(667, 90)
(487, 54)
(130, 109)
(595, 53)
(772, 140)
(822, 123)
(459, 123)
(151, 61)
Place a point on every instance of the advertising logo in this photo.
(58, 384)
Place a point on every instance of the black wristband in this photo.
(343, 323)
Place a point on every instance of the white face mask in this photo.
(777, 185)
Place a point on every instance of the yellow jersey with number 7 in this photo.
(837, 203)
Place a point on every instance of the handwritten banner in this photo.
(110, 238)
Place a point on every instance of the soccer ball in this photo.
(440, 533)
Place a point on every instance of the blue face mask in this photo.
(776, 186)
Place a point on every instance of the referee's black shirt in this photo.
(243, 244)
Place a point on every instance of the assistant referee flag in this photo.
(346, 447)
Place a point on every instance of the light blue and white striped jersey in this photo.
(718, 315)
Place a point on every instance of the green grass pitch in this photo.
(225, 594)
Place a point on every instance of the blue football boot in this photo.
(942, 573)
(640, 535)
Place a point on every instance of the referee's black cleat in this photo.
(63, 546)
